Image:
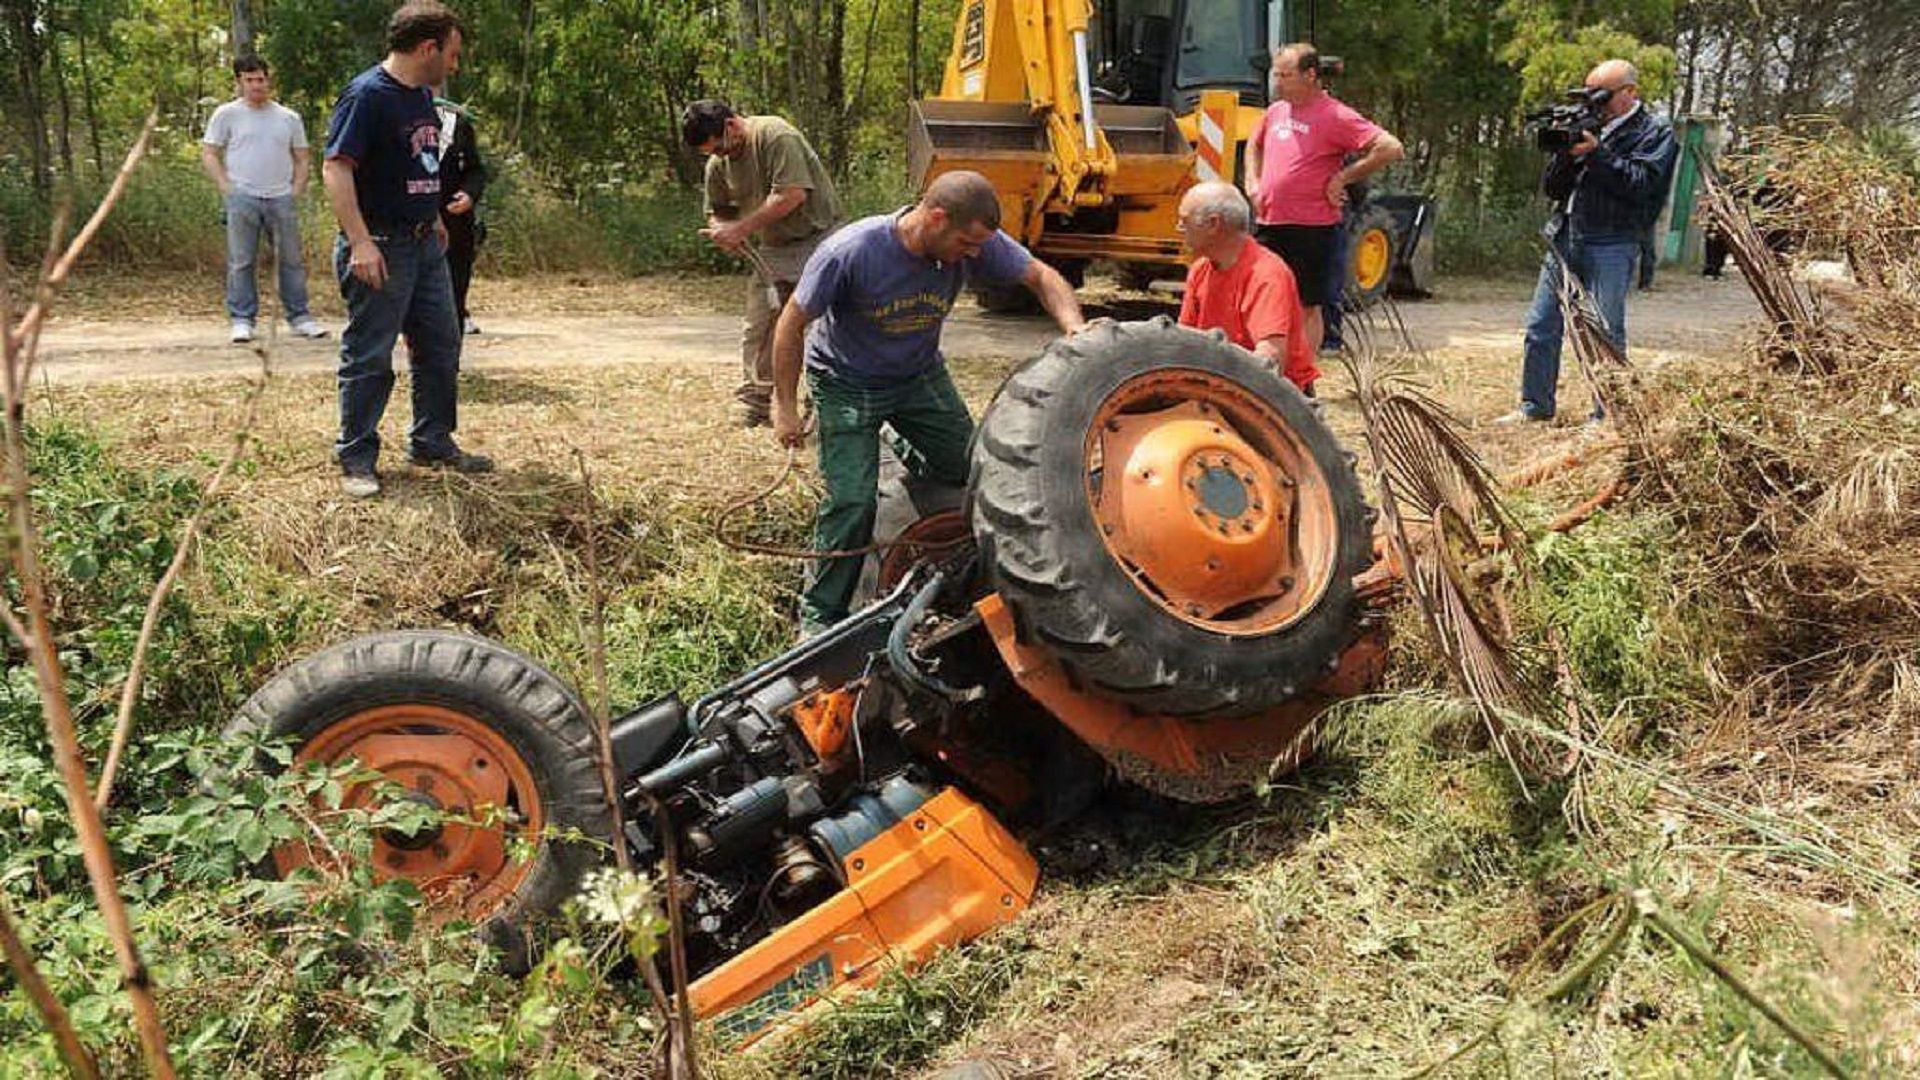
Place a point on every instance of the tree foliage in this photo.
(585, 97)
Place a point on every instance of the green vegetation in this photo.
(1393, 900)
(577, 105)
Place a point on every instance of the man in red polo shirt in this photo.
(1298, 173)
(1238, 286)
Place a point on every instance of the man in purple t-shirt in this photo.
(1296, 178)
(865, 323)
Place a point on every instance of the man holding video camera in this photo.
(1612, 162)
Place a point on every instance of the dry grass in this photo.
(111, 294)
(1800, 490)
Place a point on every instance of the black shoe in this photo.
(459, 461)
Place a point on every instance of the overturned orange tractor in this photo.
(1163, 555)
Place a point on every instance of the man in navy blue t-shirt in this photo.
(866, 317)
(382, 174)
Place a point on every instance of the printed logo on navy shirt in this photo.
(423, 143)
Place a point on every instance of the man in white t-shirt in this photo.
(256, 152)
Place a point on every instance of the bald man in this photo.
(1238, 286)
(1607, 191)
(864, 321)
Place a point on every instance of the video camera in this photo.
(1558, 127)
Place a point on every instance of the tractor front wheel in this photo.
(489, 738)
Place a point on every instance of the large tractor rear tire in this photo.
(467, 726)
(1171, 519)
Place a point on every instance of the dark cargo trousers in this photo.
(931, 431)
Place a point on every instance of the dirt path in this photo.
(1683, 315)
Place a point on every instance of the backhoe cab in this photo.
(1092, 119)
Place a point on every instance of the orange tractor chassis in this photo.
(1163, 571)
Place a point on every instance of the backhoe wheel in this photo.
(1006, 300)
(1017, 299)
(1140, 276)
(469, 727)
(1170, 517)
(1370, 253)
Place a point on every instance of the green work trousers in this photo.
(930, 430)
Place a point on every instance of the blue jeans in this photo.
(1334, 310)
(1605, 267)
(417, 301)
(248, 218)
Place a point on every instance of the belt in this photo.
(417, 230)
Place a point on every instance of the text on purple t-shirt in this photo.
(878, 308)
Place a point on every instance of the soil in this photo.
(563, 322)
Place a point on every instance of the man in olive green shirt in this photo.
(766, 189)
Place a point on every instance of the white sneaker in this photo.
(309, 327)
(1517, 416)
(469, 326)
(242, 332)
(360, 485)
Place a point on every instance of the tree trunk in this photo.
(33, 109)
(242, 35)
(751, 37)
(60, 99)
(836, 85)
(526, 76)
(790, 50)
(87, 95)
(913, 50)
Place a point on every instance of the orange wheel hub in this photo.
(453, 763)
(1208, 498)
(929, 538)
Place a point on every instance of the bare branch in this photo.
(27, 974)
(682, 1061)
(27, 335)
(136, 669)
(36, 633)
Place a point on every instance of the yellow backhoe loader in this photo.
(1092, 117)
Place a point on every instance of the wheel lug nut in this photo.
(1286, 584)
(1213, 562)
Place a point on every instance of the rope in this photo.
(755, 547)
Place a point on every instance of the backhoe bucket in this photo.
(1007, 143)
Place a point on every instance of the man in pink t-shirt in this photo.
(1297, 174)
